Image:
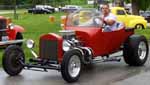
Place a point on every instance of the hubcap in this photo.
(74, 66)
(142, 50)
(139, 27)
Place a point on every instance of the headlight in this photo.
(66, 45)
(30, 43)
(11, 26)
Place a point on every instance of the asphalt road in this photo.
(108, 73)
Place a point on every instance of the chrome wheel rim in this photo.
(74, 66)
(142, 50)
(139, 27)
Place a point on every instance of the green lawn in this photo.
(36, 25)
(145, 32)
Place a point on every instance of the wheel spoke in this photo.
(142, 50)
(74, 66)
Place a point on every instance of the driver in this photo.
(109, 19)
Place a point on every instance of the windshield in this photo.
(84, 18)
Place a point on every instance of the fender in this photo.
(82, 53)
(80, 50)
(13, 32)
(133, 23)
(18, 28)
(90, 55)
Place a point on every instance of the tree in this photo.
(139, 5)
(145, 5)
(119, 3)
(135, 7)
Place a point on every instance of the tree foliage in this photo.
(138, 5)
(144, 4)
(33, 2)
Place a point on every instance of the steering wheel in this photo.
(97, 21)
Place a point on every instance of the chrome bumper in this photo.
(11, 42)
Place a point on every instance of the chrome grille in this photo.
(2, 24)
(48, 49)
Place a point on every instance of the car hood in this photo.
(90, 31)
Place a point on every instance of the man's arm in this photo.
(111, 19)
(110, 22)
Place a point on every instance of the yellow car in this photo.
(131, 21)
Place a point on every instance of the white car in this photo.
(70, 8)
(48, 7)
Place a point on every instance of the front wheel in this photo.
(11, 60)
(136, 50)
(71, 66)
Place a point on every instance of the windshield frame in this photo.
(94, 13)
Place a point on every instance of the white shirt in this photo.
(114, 18)
(110, 16)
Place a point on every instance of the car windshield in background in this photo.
(84, 18)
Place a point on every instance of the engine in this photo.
(69, 39)
(67, 34)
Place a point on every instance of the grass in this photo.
(36, 25)
(145, 32)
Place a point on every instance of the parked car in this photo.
(52, 9)
(41, 9)
(10, 33)
(70, 8)
(82, 43)
(131, 21)
(146, 15)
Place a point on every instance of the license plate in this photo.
(4, 38)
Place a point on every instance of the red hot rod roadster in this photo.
(82, 41)
(10, 33)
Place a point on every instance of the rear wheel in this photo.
(136, 50)
(71, 66)
(139, 26)
(11, 60)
